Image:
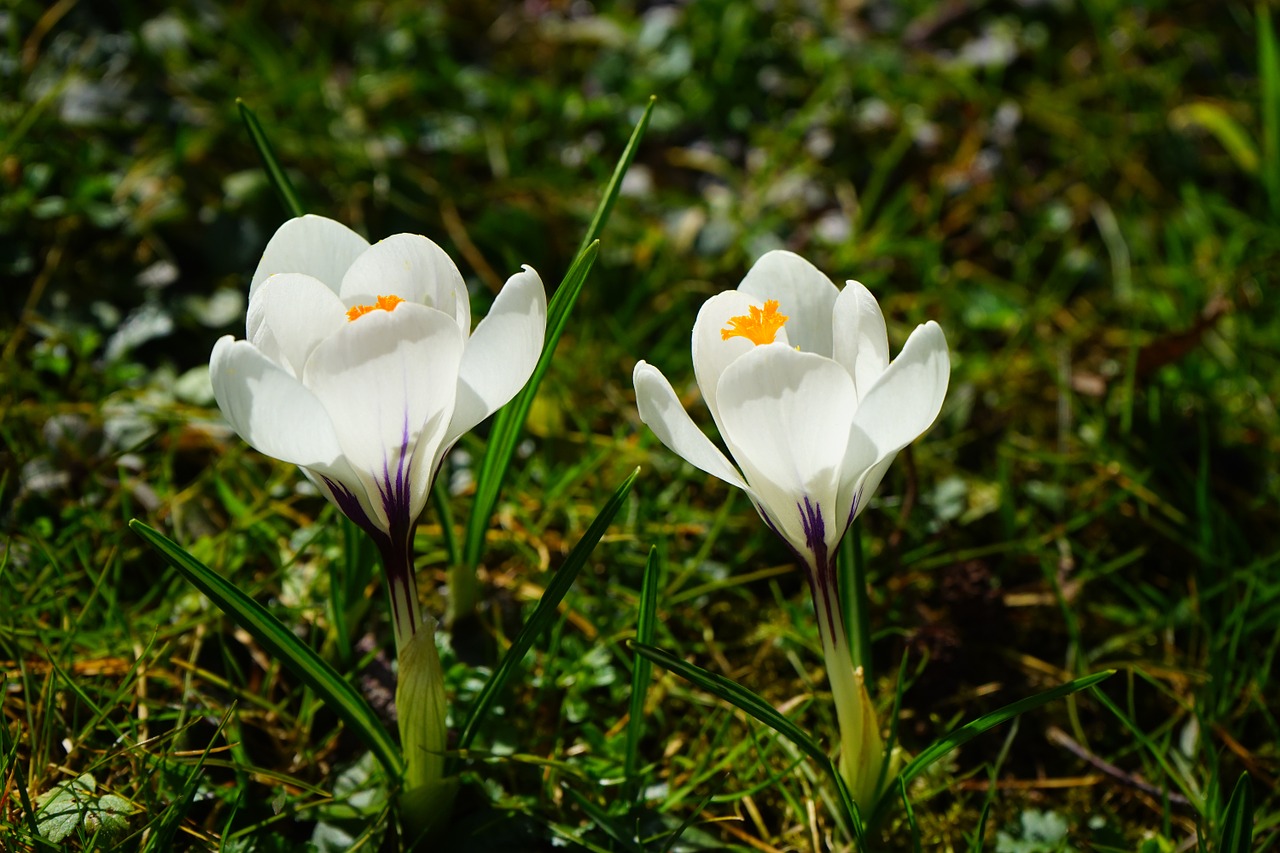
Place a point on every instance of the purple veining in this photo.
(352, 509)
(819, 566)
(853, 507)
(824, 580)
(394, 492)
(815, 529)
(800, 559)
(395, 544)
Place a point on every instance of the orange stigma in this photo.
(759, 327)
(385, 303)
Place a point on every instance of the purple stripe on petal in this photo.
(815, 529)
(819, 566)
(394, 488)
(394, 545)
(352, 509)
(800, 559)
(853, 508)
(825, 583)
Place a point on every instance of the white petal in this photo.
(278, 416)
(291, 313)
(415, 269)
(861, 341)
(312, 245)
(786, 419)
(501, 355)
(270, 409)
(907, 397)
(346, 490)
(866, 486)
(388, 381)
(898, 408)
(711, 352)
(860, 474)
(660, 409)
(804, 294)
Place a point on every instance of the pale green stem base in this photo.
(861, 747)
(426, 797)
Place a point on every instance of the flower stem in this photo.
(861, 748)
(853, 566)
(402, 589)
(426, 795)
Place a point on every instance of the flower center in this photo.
(384, 303)
(759, 327)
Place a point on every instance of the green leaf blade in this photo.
(276, 174)
(614, 187)
(642, 671)
(1237, 824)
(280, 643)
(757, 708)
(544, 612)
(509, 421)
(970, 730)
(1269, 78)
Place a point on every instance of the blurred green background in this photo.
(1085, 195)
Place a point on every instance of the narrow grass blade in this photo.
(509, 422)
(736, 695)
(448, 537)
(603, 820)
(278, 178)
(165, 828)
(976, 845)
(614, 186)
(969, 731)
(348, 579)
(1269, 77)
(545, 612)
(900, 687)
(1156, 750)
(642, 671)
(11, 765)
(751, 704)
(881, 171)
(1218, 121)
(852, 569)
(280, 643)
(911, 815)
(1237, 824)
(693, 815)
(980, 833)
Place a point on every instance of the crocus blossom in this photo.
(797, 376)
(361, 367)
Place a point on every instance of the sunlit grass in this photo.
(1099, 493)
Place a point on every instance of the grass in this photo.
(1084, 198)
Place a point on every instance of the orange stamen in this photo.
(385, 303)
(759, 327)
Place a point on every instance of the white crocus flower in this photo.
(360, 366)
(797, 376)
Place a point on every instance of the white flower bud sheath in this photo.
(360, 366)
(797, 376)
